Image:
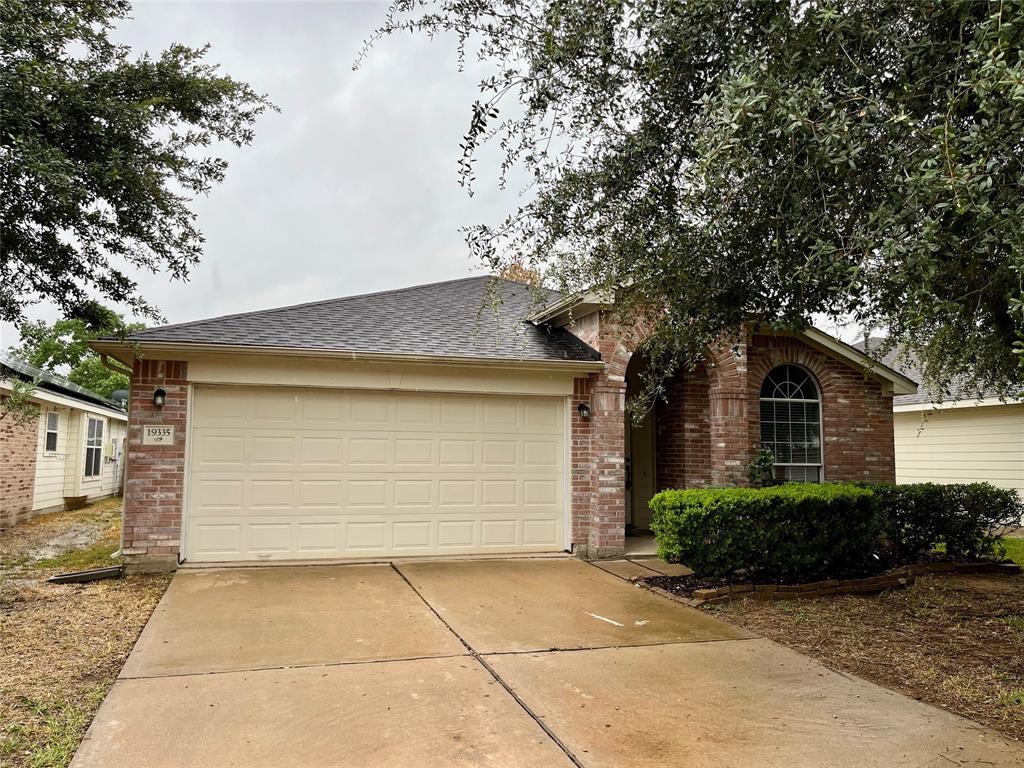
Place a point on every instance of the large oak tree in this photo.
(101, 153)
(728, 161)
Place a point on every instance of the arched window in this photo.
(791, 423)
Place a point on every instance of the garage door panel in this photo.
(309, 473)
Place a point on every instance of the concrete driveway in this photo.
(528, 662)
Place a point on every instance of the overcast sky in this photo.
(352, 187)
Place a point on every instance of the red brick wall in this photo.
(18, 443)
(156, 473)
(856, 410)
(683, 432)
(710, 421)
(582, 469)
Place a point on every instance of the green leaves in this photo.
(65, 345)
(775, 162)
(101, 154)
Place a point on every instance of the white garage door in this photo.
(279, 473)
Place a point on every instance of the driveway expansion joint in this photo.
(497, 678)
(311, 665)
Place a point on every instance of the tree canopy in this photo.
(734, 161)
(64, 345)
(101, 153)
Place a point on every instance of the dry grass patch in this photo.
(953, 641)
(62, 645)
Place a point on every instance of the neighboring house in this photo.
(433, 420)
(74, 448)
(963, 439)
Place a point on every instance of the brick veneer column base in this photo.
(17, 468)
(154, 490)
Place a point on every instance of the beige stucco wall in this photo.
(962, 445)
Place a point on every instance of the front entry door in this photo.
(641, 480)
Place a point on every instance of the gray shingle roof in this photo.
(912, 369)
(53, 382)
(477, 317)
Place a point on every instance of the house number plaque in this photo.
(157, 434)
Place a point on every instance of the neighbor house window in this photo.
(94, 448)
(52, 425)
(791, 423)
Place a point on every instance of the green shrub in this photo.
(965, 519)
(789, 532)
(804, 531)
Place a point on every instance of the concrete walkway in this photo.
(527, 662)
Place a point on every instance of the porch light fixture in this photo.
(159, 396)
(584, 410)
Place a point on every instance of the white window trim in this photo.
(821, 421)
(98, 446)
(47, 432)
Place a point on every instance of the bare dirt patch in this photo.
(61, 646)
(955, 641)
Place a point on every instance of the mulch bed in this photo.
(61, 646)
(952, 640)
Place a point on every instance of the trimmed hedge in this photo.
(966, 519)
(806, 531)
(787, 532)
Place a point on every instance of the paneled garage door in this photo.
(278, 473)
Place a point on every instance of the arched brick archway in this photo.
(711, 424)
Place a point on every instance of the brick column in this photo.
(18, 443)
(607, 535)
(729, 418)
(582, 469)
(154, 487)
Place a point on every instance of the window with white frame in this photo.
(791, 423)
(52, 431)
(94, 448)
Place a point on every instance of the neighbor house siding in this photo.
(51, 466)
(962, 445)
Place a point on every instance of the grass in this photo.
(95, 556)
(1014, 549)
(62, 645)
(53, 734)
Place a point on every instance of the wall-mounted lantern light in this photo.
(159, 396)
(584, 410)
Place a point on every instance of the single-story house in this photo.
(963, 439)
(436, 420)
(74, 448)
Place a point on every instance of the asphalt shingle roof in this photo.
(53, 382)
(911, 368)
(477, 317)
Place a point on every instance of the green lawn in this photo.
(1015, 550)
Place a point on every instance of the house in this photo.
(963, 439)
(460, 418)
(72, 450)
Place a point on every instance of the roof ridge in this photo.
(305, 304)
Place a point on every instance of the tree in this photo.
(65, 344)
(518, 272)
(717, 162)
(102, 153)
